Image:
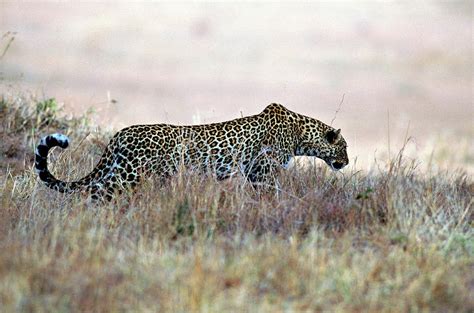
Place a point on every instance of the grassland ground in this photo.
(394, 239)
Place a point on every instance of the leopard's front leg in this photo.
(265, 166)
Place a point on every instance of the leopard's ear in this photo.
(333, 136)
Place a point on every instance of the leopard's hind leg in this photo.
(123, 175)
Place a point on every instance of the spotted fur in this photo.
(255, 146)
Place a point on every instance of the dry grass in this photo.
(394, 239)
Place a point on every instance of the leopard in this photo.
(255, 147)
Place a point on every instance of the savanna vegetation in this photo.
(393, 239)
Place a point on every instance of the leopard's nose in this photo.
(338, 165)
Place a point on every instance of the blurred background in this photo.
(402, 67)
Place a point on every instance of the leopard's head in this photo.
(322, 141)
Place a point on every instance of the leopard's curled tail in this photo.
(41, 165)
(41, 162)
(96, 182)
